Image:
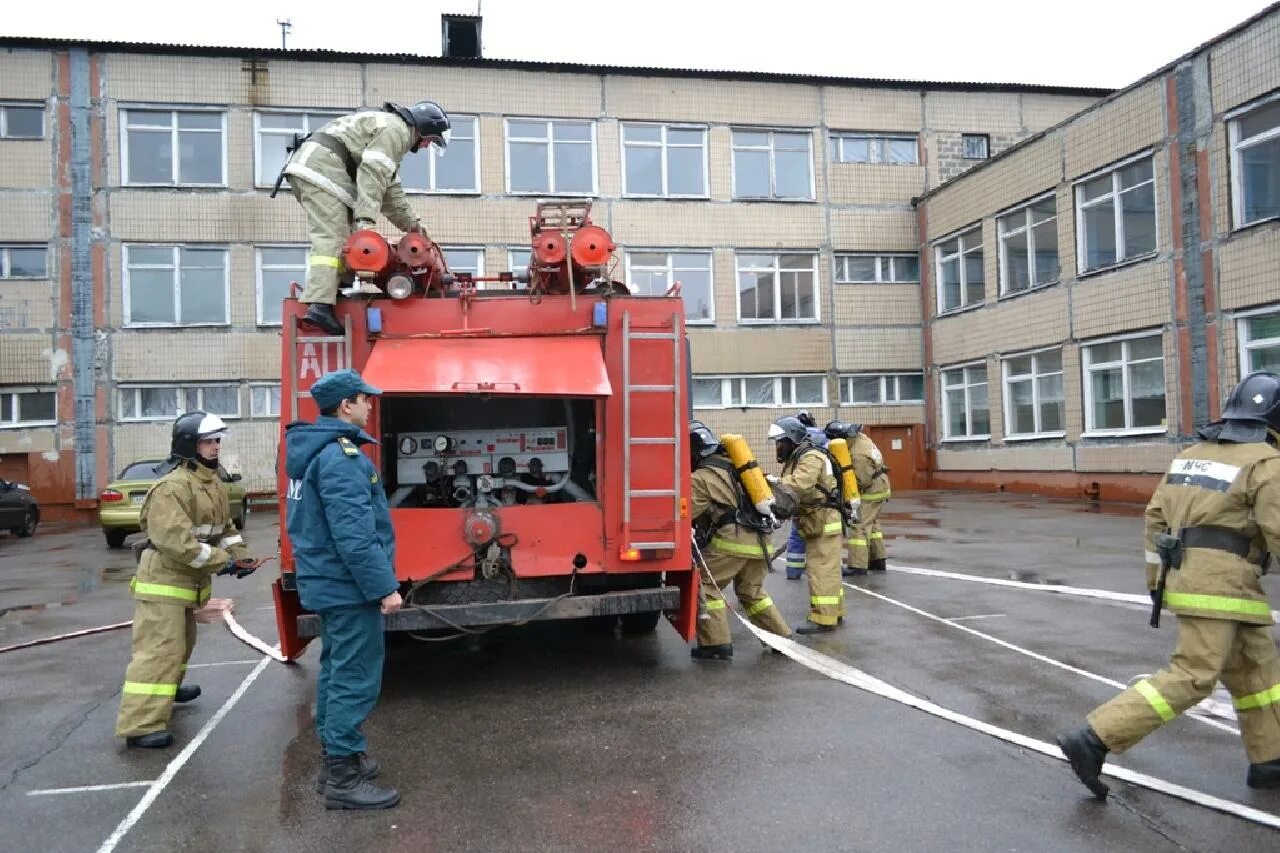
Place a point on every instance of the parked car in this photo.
(19, 511)
(120, 503)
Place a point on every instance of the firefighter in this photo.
(734, 539)
(347, 171)
(1209, 527)
(344, 551)
(807, 472)
(795, 543)
(187, 521)
(866, 539)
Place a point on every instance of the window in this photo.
(653, 273)
(966, 411)
(1260, 343)
(275, 134)
(551, 157)
(772, 164)
(24, 261)
(21, 121)
(517, 264)
(900, 150)
(960, 273)
(1034, 400)
(975, 146)
(722, 392)
(1116, 215)
(1124, 386)
(174, 148)
(1029, 246)
(454, 170)
(163, 402)
(264, 401)
(874, 389)
(1255, 163)
(865, 269)
(469, 260)
(278, 268)
(664, 160)
(23, 407)
(777, 288)
(175, 286)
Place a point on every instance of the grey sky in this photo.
(1078, 42)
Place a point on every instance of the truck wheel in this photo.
(635, 624)
(115, 538)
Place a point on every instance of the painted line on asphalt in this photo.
(224, 663)
(976, 616)
(176, 764)
(1199, 715)
(82, 789)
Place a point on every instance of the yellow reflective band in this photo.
(763, 604)
(167, 591)
(876, 496)
(833, 527)
(1217, 603)
(795, 564)
(1157, 701)
(724, 546)
(820, 600)
(715, 604)
(142, 688)
(857, 542)
(1258, 700)
(324, 261)
(876, 534)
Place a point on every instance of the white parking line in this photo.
(86, 788)
(225, 663)
(977, 616)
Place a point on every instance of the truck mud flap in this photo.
(448, 617)
(288, 619)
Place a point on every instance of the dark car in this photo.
(19, 511)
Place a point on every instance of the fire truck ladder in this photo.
(321, 340)
(629, 337)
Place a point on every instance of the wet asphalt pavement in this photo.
(553, 738)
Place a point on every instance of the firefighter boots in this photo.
(186, 693)
(1265, 775)
(878, 565)
(852, 572)
(810, 627)
(151, 740)
(321, 315)
(369, 769)
(1086, 752)
(345, 789)
(720, 652)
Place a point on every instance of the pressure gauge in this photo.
(443, 443)
(408, 446)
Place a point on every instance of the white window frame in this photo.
(549, 140)
(986, 146)
(6, 262)
(783, 390)
(327, 115)
(1086, 365)
(837, 140)
(672, 274)
(433, 158)
(4, 119)
(1234, 144)
(1034, 376)
(777, 289)
(258, 270)
(887, 381)
(267, 386)
(177, 288)
(176, 160)
(1026, 226)
(1245, 345)
(939, 259)
(664, 145)
(1113, 198)
(734, 147)
(884, 261)
(479, 250)
(16, 391)
(179, 390)
(966, 384)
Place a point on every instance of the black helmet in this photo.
(1252, 409)
(702, 441)
(190, 429)
(840, 429)
(789, 429)
(429, 121)
(805, 418)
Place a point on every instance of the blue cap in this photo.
(338, 385)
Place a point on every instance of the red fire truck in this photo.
(531, 434)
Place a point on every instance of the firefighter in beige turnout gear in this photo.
(1209, 527)
(866, 539)
(187, 521)
(735, 547)
(348, 171)
(808, 473)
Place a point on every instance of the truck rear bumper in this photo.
(451, 616)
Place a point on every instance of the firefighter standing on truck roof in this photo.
(807, 472)
(1209, 527)
(734, 539)
(344, 556)
(348, 170)
(187, 521)
(866, 539)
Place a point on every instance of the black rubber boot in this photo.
(880, 565)
(852, 572)
(151, 740)
(1265, 775)
(369, 769)
(321, 315)
(721, 652)
(814, 628)
(345, 789)
(186, 693)
(1086, 752)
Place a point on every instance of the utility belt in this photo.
(1217, 539)
(324, 140)
(1172, 548)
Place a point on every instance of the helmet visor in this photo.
(441, 140)
(776, 432)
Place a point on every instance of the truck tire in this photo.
(637, 624)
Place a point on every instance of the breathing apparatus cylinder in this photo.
(839, 450)
(749, 473)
